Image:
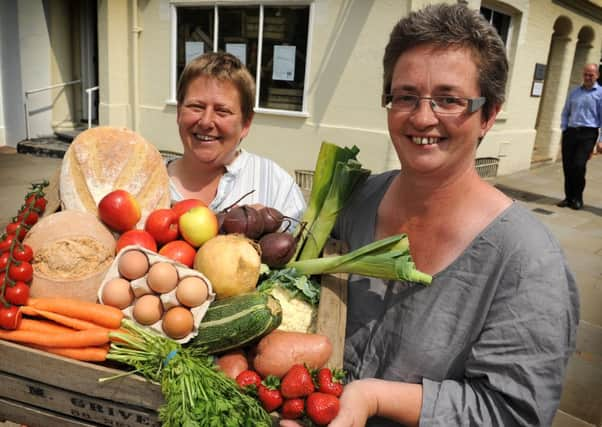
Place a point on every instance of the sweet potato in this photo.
(233, 363)
(279, 350)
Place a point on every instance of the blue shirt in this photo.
(583, 108)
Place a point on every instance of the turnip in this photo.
(231, 262)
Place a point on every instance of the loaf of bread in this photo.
(104, 159)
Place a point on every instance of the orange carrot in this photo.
(86, 354)
(76, 339)
(70, 322)
(43, 326)
(99, 314)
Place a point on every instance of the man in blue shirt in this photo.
(580, 123)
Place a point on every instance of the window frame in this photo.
(174, 5)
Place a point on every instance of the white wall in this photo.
(34, 45)
(12, 118)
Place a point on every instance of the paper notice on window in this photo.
(239, 50)
(193, 49)
(284, 63)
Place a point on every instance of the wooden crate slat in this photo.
(81, 377)
(18, 412)
(89, 408)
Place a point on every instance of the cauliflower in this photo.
(297, 314)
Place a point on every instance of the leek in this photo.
(388, 259)
(337, 173)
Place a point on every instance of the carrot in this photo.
(43, 326)
(99, 314)
(76, 339)
(86, 354)
(70, 322)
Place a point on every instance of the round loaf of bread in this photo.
(103, 159)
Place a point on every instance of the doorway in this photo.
(89, 61)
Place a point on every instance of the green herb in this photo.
(195, 392)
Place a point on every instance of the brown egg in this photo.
(191, 291)
(147, 309)
(162, 277)
(118, 293)
(133, 264)
(177, 322)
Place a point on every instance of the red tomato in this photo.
(4, 257)
(29, 218)
(21, 271)
(17, 294)
(14, 226)
(179, 251)
(38, 203)
(6, 242)
(23, 253)
(10, 317)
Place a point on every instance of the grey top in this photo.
(489, 339)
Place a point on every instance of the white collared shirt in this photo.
(273, 186)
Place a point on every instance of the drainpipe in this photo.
(136, 30)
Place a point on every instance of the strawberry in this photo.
(297, 382)
(329, 382)
(248, 378)
(321, 407)
(292, 408)
(268, 393)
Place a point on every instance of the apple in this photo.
(179, 251)
(162, 224)
(136, 237)
(198, 225)
(119, 210)
(185, 205)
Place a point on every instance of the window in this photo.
(499, 20)
(272, 41)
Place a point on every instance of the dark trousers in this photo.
(577, 146)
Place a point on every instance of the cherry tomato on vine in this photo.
(23, 252)
(29, 218)
(10, 317)
(4, 257)
(17, 294)
(22, 271)
(39, 203)
(14, 226)
(6, 242)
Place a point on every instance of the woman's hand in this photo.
(357, 405)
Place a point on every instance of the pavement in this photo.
(540, 188)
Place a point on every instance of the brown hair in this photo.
(456, 25)
(224, 67)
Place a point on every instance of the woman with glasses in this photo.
(486, 344)
(215, 109)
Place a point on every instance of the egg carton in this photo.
(168, 300)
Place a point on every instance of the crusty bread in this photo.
(104, 159)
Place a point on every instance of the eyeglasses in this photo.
(443, 104)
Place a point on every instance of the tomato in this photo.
(23, 253)
(14, 226)
(17, 294)
(21, 271)
(29, 218)
(4, 257)
(6, 242)
(10, 317)
(38, 203)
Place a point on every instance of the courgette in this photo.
(236, 321)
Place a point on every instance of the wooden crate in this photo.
(43, 390)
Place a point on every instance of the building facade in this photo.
(317, 65)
